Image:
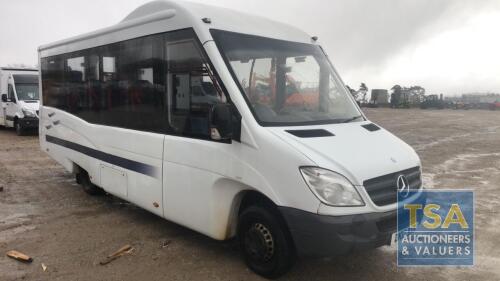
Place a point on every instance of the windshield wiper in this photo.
(351, 119)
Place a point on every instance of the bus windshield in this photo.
(27, 92)
(286, 83)
(26, 87)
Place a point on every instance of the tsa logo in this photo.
(435, 228)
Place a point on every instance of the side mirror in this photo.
(221, 122)
(4, 98)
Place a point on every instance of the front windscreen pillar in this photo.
(324, 87)
(281, 71)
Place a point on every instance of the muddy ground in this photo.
(45, 214)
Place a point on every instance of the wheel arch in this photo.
(241, 201)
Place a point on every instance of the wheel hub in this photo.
(259, 242)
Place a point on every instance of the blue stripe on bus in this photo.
(128, 164)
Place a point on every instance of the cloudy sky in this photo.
(446, 46)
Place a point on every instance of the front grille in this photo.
(383, 190)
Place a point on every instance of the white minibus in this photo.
(19, 101)
(229, 124)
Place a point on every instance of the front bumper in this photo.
(317, 235)
(326, 236)
(28, 122)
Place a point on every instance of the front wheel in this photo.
(265, 242)
(19, 128)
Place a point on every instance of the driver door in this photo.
(192, 161)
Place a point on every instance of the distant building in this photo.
(412, 99)
(476, 98)
(379, 97)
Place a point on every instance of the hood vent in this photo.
(310, 133)
(371, 127)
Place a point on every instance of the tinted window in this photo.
(125, 84)
(53, 82)
(74, 86)
(120, 85)
(91, 99)
(141, 84)
(25, 79)
(108, 103)
(192, 88)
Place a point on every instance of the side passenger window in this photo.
(192, 87)
(74, 83)
(53, 82)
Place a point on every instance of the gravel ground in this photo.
(44, 213)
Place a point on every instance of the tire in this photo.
(19, 128)
(83, 179)
(265, 242)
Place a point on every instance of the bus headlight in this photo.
(28, 113)
(331, 188)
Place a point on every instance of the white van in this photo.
(19, 101)
(229, 124)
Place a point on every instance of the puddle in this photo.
(12, 233)
(424, 146)
(14, 220)
(428, 180)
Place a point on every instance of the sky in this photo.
(446, 46)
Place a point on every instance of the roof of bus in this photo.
(165, 15)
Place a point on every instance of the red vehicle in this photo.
(495, 105)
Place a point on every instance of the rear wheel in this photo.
(265, 242)
(84, 180)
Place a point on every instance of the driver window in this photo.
(192, 88)
(10, 94)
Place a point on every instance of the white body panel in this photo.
(143, 190)
(198, 183)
